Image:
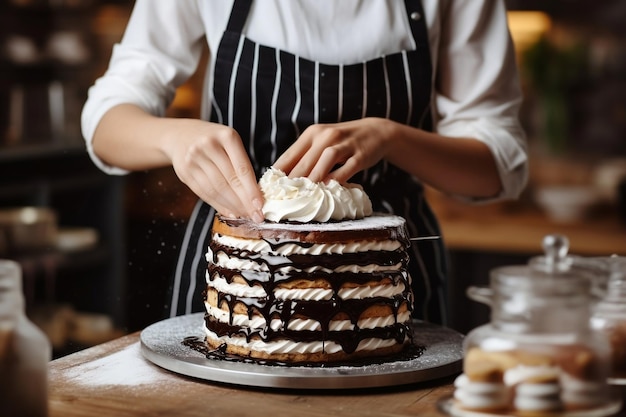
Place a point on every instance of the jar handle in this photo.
(481, 294)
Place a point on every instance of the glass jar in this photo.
(609, 317)
(595, 269)
(539, 353)
(24, 351)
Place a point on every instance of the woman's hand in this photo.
(462, 166)
(211, 160)
(208, 157)
(336, 151)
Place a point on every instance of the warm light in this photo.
(527, 27)
(29, 215)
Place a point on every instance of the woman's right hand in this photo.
(211, 160)
(208, 157)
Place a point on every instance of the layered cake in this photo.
(323, 279)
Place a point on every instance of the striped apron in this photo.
(270, 96)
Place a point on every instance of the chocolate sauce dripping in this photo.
(334, 279)
(321, 311)
(303, 261)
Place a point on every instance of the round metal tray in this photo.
(162, 344)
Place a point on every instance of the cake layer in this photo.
(298, 352)
(321, 290)
(309, 292)
(378, 226)
(298, 324)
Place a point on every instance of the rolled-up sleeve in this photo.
(160, 49)
(477, 87)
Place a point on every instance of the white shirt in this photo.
(476, 89)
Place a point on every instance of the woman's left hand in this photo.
(336, 151)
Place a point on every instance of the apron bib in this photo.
(270, 96)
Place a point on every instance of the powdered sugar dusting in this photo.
(126, 367)
(376, 221)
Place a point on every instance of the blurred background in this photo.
(97, 251)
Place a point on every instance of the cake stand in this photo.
(162, 344)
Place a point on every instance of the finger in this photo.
(305, 165)
(205, 176)
(235, 166)
(300, 158)
(290, 158)
(308, 159)
(206, 184)
(344, 172)
(328, 159)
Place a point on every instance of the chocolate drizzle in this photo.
(279, 270)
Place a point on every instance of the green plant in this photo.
(552, 72)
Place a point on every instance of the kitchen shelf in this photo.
(65, 180)
(50, 56)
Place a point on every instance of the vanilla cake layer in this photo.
(309, 292)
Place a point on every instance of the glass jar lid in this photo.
(545, 296)
(550, 275)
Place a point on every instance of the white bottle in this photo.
(24, 351)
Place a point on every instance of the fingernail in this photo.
(258, 217)
(257, 204)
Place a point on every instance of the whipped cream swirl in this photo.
(302, 200)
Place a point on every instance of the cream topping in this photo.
(237, 319)
(302, 200)
(309, 294)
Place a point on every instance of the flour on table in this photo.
(126, 367)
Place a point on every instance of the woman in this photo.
(389, 94)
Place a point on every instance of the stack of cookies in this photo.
(530, 382)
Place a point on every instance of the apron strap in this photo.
(417, 22)
(415, 14)
(238, 15)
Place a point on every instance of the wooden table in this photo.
(113, 379)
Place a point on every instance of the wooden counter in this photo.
(519, 228)
(113, 379)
